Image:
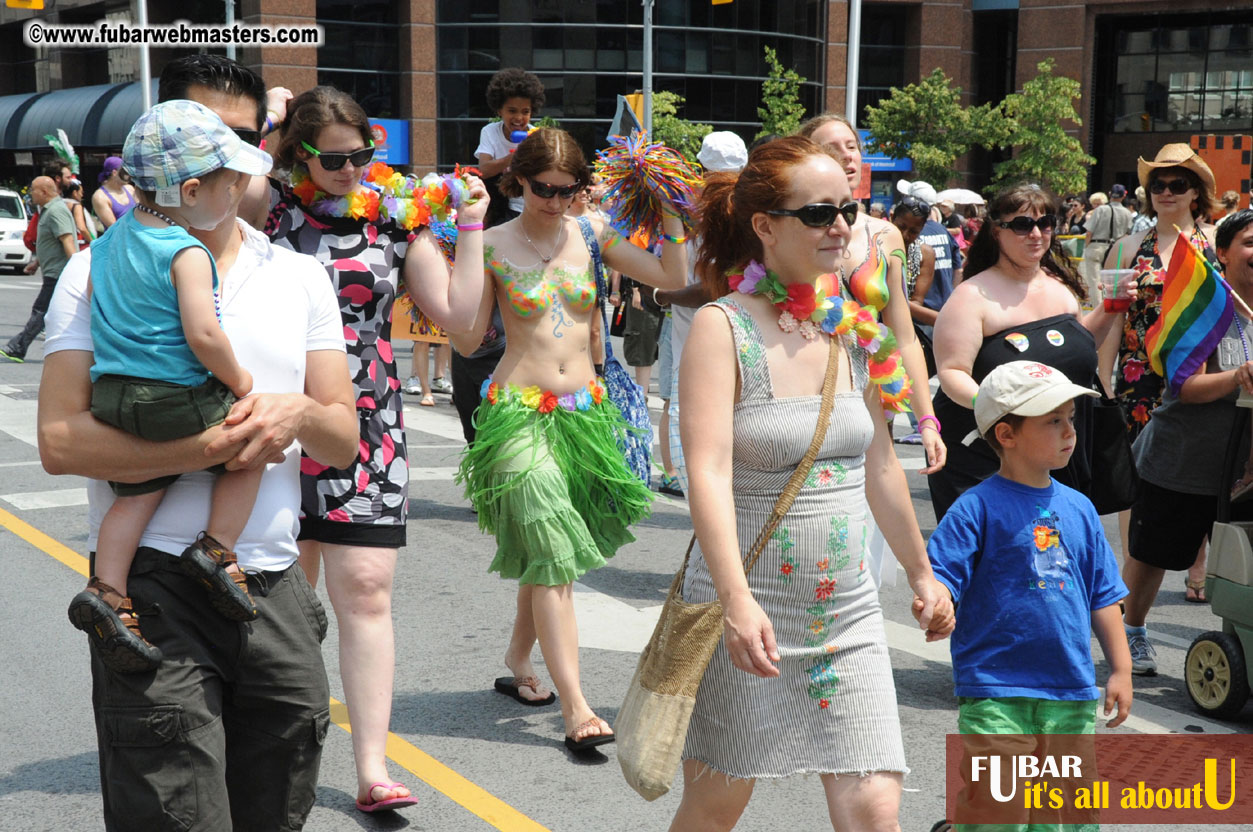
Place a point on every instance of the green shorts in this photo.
(158, 411)
(1026, 715)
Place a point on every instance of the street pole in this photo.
(854, 48)
(230, 21)
(145, 67)
(648, 66)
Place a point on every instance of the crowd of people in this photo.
(265, 321)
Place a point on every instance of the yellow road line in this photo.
(44, 543)
(431, 771)
(443, 779)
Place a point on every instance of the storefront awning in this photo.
(98, 116)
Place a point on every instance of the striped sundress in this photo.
(833, 708)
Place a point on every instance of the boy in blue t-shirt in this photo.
(163, 367)
(1027, 562)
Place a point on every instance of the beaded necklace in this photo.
(217, 293)
(813, 307)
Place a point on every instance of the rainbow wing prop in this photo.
(636, 172)
(1196, 312)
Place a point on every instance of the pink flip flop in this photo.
(385, 805)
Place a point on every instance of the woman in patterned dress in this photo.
(1148, 252)
(801, 682)
(353, 519)
(1123, 354)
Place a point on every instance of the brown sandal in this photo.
(111, 623)
(206, 561)
(1194, 591)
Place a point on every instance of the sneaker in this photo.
(206, 561)
(441, 385)
(670, 485)
(412, 386)
(16, 359)
(1143, 656)
(914, 438)
(98, 611)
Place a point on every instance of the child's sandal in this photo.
(206, 561)
(98, 611)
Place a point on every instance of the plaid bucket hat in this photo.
(180, 140)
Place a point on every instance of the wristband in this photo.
(270, 123)
(659, 303)
(974, 399)
(477, 226)
(922, 420)
(670, 238)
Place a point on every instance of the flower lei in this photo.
(544, 401)
(816, 308)
(385, 194)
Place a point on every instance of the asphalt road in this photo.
(476, 759)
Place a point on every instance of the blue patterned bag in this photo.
(636, 443)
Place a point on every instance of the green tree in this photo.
(1034, 123)
(926, 122)
(781, 112)
(672, 131)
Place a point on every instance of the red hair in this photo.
(729, 201)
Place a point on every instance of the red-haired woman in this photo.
(545, 472)
(801, 682)
(354, 519)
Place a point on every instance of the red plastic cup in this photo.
(1115, 286)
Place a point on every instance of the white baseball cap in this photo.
(918, 190)
(723, 150)
(1023, 388)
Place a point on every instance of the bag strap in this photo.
(602, 288)
(794, 483)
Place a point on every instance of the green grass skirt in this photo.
(553, 488)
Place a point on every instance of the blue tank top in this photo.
(135, 325)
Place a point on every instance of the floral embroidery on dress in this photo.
(825, 473)
(823, 681)
(786, 568)
(751, 352)
(837, 543)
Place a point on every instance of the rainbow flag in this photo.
(1196, 312)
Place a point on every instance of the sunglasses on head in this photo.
(915, 206)
(1178, 187)
(545, 191)
(819, 214)
(1022, 225)
(335, 161)
(252, 137)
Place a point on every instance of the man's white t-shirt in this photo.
(276, 307)
(494, 143)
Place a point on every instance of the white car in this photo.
(13, 219)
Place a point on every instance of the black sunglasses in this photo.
(252, 137)
(546, 191)
(820, 214)
(1178, 187)
(915, 206)
(335, 161)
(1022, 225)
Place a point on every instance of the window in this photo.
(882, 53)
(1179, 74)
(587, 52)
(362, 54)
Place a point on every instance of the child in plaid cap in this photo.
(163, 367)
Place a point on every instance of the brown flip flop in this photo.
(508, 685)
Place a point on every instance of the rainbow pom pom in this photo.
(644, 180)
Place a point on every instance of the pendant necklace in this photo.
(531, 243)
